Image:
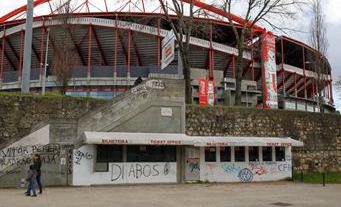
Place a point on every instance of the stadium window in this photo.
(267, 154)
(142, 153)
(280, 153)
(253, 154)
(225, 154)
(210, 154)
(107, 154)
(239, 154)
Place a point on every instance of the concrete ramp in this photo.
(153, 106)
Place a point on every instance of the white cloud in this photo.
(332, 10)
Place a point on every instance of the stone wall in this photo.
(20, 114)
(321, 133)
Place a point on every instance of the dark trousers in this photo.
(38, 178)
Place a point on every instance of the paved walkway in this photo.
(186, 195)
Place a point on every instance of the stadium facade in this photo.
(112, 48)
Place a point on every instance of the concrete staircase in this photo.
(151, 93)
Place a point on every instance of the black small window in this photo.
(210, 154)
(267, 154)
(280, 153)
(106, 154)
(239, 153)
(253, 154)
(225, 154)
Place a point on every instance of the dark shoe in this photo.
(34, 195)
(40, 192)
(27, 194)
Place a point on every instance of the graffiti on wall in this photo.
(248, 172)
(136, 171)
(245, 175)
(79, 155)
(230, 169)
(22, 155)
(194, 166)
(141, 91)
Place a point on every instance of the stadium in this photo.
(112, 47)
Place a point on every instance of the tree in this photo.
(64, 53)
(255, 11)
(182, 28)
(318, 40)
(338, 85)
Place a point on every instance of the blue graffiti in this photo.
(230, 169)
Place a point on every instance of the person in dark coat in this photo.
(32, 173)
(138, 81)
(37, 166)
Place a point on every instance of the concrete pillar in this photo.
(180, 167)
(202, 164)
(273, 154)
(288, 154)
(247, 154)
(124, 153)
(232, 155)
(260, 154)
(217, 151)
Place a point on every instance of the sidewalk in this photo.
(181, 195)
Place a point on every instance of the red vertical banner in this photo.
(207, 96)
(203, 92)
(269, 71)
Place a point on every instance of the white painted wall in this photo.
(244, 171)
(120, 173)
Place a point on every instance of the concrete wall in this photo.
(320, 133)
(153, 121)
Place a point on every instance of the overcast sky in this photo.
(332, 10)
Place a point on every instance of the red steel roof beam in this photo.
(221, 12)
(20, 10)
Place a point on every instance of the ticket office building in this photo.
(182, 161)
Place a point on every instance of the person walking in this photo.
(32, 173)
(37, 166)
(138, 81)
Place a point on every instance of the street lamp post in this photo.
(25, 85)
(45, 64)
